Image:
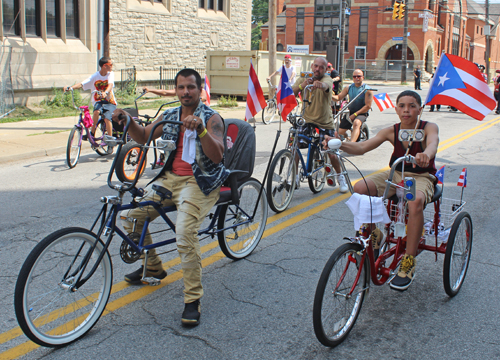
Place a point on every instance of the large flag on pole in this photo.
(383, 101)
(207, 89)
(285, 96)
(255, 97)
(459, 83)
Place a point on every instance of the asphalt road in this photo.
(261, 307)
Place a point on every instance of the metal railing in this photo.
(387, 70)
(128, 75)
(167, 76)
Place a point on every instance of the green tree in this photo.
(260, 15)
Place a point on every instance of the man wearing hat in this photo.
(290, 70)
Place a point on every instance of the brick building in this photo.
(454, 26)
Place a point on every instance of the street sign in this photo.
(347, 11)
(397, 38)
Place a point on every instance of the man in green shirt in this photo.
(319, 111)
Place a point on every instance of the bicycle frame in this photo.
(108, 218)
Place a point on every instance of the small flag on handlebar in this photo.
(383, 101)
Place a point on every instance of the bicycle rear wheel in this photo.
(316, 168)
(238, 242)
(338, 298)
(74, 147)
(281, 181)
(457, 256)
(48, 310)
(100, 130)
(269, 113)
(128, 160)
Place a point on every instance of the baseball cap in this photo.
(330, 65)
(288, 56)
(498, 71)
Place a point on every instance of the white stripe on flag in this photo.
(475, 82)
(467, 100)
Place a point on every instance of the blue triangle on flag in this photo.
(445, 78)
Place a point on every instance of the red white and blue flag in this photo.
(255, 96)
(285, 96)
(459, 83)
(383, 101)
(440, 175)
(207, 89)
(462, 180)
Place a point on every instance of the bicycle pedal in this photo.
(151, 281)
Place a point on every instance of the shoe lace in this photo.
(406, 264)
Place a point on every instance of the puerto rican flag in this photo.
(462, 180)
(207, 89)
(255, 96)
(440, 175)
(285, 96)
(459, 83)
(383, 101)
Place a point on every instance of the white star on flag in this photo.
(442, 79)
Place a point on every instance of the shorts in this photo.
(424, 183)
(107, 108)
(347, 125)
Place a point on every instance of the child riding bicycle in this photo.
(101, 83)
(408, 108)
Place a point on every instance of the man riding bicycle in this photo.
(408, 108)
(358, 110)
(319, 111)
(192, 184)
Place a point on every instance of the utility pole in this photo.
(487, 37)
(342, 39)
(405, 44)
(272, 37)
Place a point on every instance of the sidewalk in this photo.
(48, 137)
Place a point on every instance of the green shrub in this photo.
(227, 102)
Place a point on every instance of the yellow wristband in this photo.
(203, 133)
(300, 87)
(355, 114)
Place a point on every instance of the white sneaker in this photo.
(297, 181)
(342, 184)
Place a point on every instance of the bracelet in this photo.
(300, 87)
(203, 133)
(355, 114)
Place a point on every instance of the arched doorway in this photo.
(428, 60)
(395, 52)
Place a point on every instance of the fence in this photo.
(385, 70)
(128, 76)
(167, 76)
(6, 89)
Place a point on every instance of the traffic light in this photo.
(395, 11)
(401, 11)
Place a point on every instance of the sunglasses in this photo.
(357, 76)
(109, 64)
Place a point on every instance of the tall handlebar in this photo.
(405, 158)
(124, 187)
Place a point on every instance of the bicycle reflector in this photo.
(328, 169)
(330, 181)
(410, 188)
(306, 74)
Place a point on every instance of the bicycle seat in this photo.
(438, 192)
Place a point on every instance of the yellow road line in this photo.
(29, 346)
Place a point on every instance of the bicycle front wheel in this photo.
(241, 229)
(49, 311)
(316, 169)
(364, 133)
(74, 147)
(339, 296)
(281, 181)
(457, 256)
(102, 149)
(269, 113)
(127, 164)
